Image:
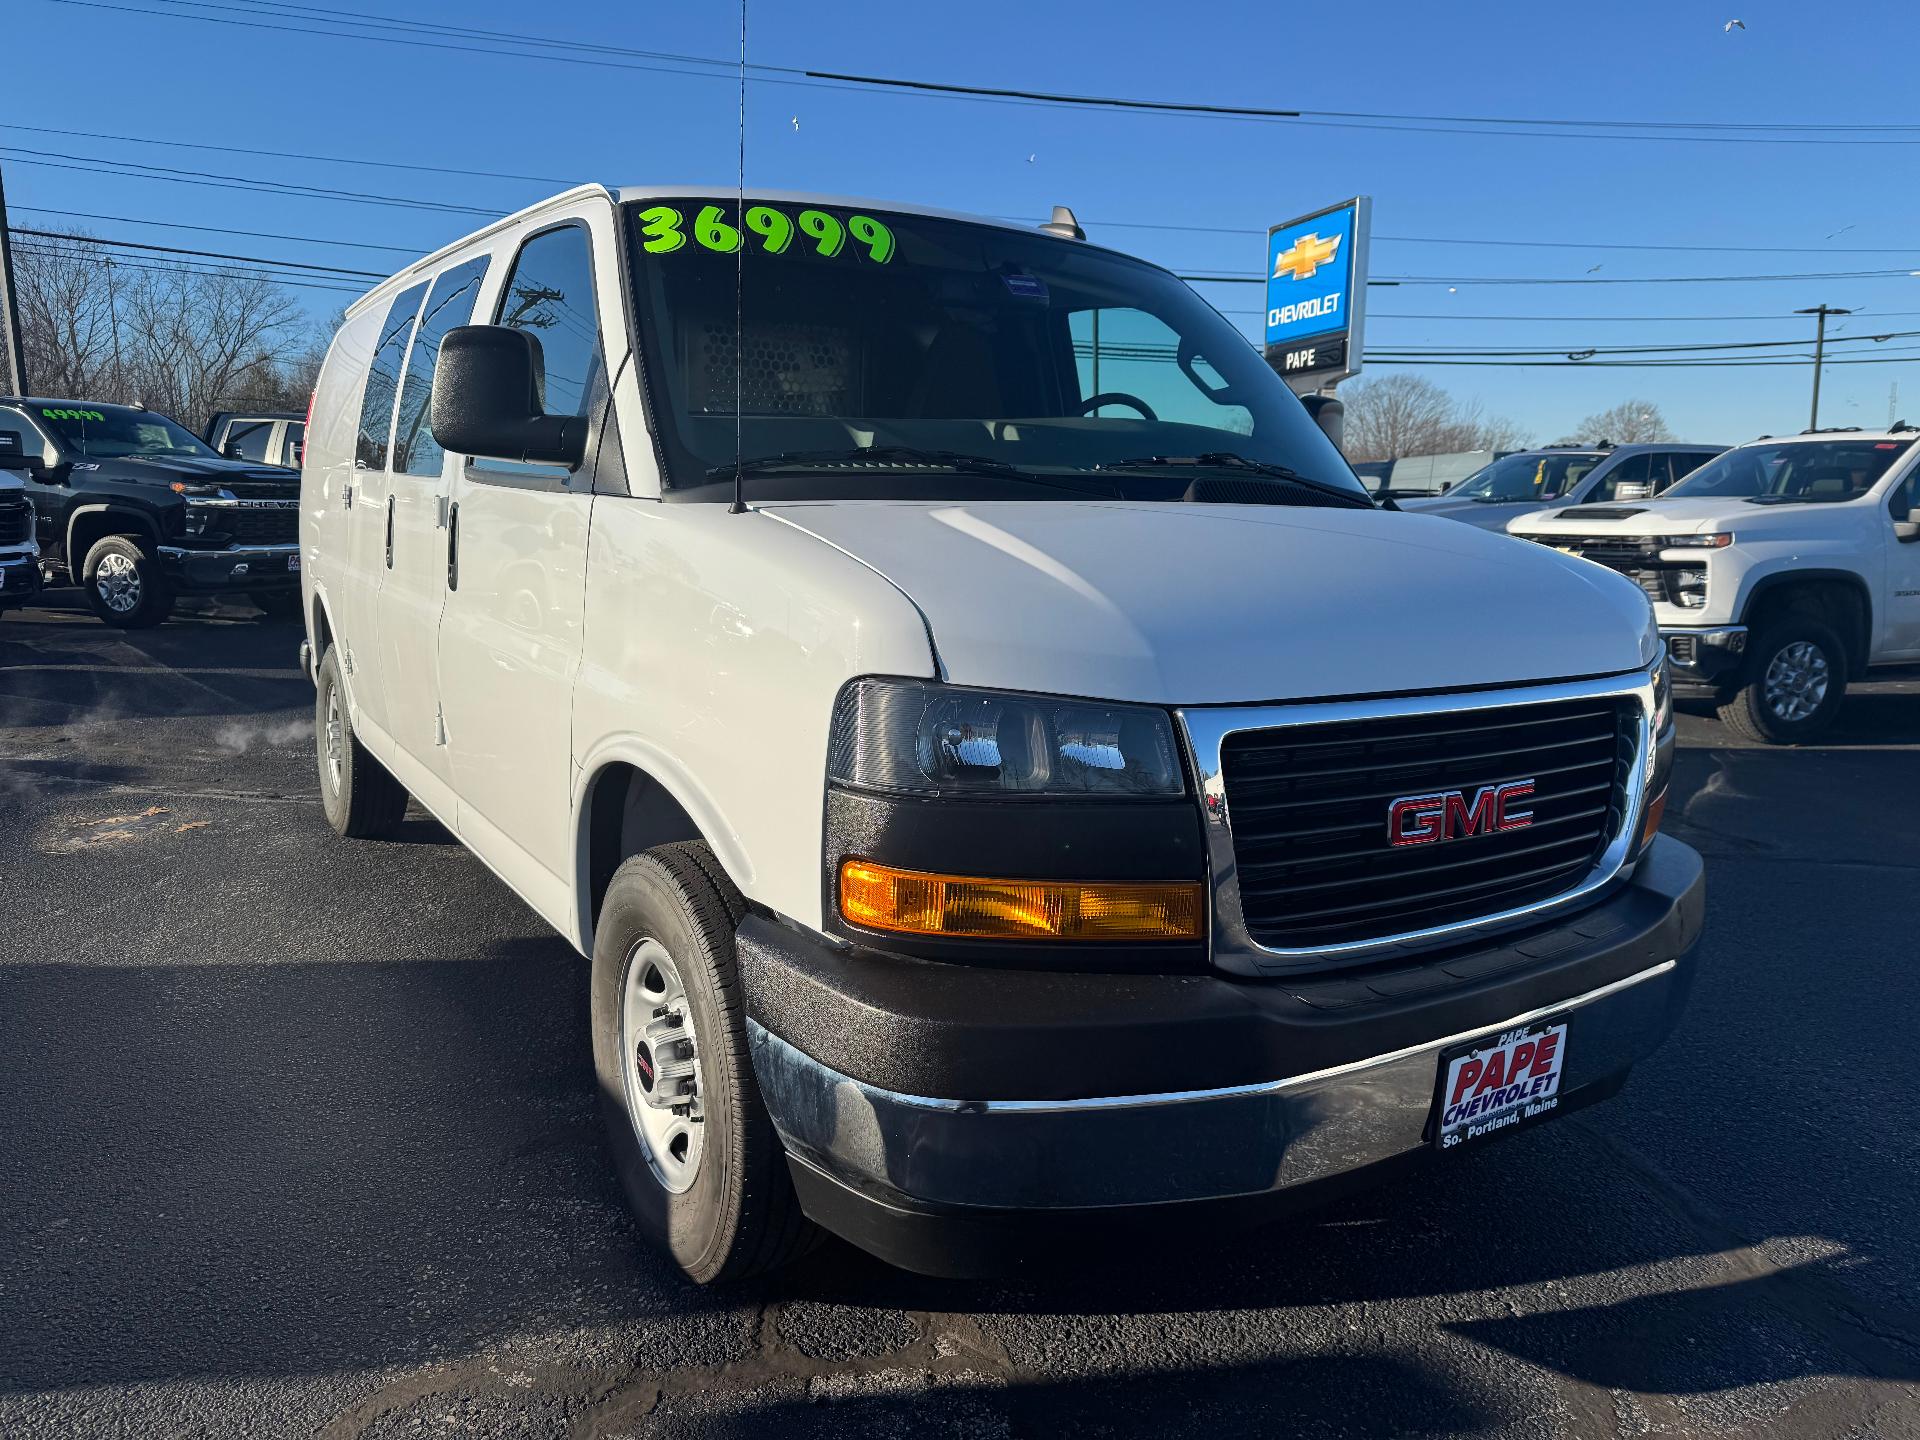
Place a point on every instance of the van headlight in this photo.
(921, 737)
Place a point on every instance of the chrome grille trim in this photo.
(1206, 729)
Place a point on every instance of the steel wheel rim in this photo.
(117, 582)
(1797, 680)
(333, 739)
(655, 1021)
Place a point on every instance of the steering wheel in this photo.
(1117, 397)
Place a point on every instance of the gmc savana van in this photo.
(1009, 778)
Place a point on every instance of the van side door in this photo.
(366, 510)
(510, 635)
(413, 586)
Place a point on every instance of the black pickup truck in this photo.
(137, 510)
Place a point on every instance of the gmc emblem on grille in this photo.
(1450, 815)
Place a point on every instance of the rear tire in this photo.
(362, 799)
(709, 1184)
(1795, 679)
(125, 585)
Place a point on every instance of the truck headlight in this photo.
(1690, 588)
(920, 737)
(1718, 541)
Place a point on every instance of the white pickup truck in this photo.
(1779, 570)
(19, 554)
(1012, 782)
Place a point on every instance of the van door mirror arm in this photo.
(486, 400)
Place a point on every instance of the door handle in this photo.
(453, 546)
(346, 496)
(389, 532)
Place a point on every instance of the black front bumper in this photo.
(239, 567)
(952, 1118)
(19, 579)
(1707, 655)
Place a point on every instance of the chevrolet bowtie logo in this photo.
(1305, 256)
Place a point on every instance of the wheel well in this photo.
(87, 530)
(628, 811)
(1840, 603)
(322, 632)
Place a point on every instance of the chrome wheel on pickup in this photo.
(1795, 677)
(124, 585)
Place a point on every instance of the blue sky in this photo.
(126, 72)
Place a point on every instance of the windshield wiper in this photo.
(882, 457)
(1232, 460)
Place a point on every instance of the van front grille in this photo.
(1309, 808)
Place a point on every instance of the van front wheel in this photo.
(694, 1147)
(361, 799)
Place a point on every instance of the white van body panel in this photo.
(1226, 604)
(716, 645)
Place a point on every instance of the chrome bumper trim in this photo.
(237, 552)
(1206, 1144)
(1207, 728)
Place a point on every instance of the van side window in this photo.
(449, 303)
(550, 295)
(383, 380)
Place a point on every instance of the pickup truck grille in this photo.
(263, 527)
(1637, 559)
(1308, 806)
(16, 522)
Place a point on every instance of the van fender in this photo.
(664, 769)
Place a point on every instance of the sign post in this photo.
(1317, 294)
(13, 363)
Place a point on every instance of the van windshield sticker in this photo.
(72, 415)
(663, 230)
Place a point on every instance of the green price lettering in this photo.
(828, 234)
(712, 231)
(663, 230)
(773, 227)
(660, 231)
(876, 237)
(72, 415)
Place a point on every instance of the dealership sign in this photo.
(1316, 293)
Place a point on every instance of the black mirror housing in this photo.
(487, 387)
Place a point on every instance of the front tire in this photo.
(692, 1142)
(125, 585)
(1795, 678)
(360, 796)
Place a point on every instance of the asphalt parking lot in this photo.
(299, 1137)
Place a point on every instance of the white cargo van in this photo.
(1011, 781)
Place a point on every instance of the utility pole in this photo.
(1819, 352)
(13, 360)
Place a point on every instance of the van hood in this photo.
(1225, 604)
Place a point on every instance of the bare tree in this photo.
(179, 339)
(1625, 423)
(1405, 415)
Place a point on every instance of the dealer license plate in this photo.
(1498, 1083)
(293, 562)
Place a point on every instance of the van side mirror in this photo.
(488, 386)
(1907, 531)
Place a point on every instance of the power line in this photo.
(38, 248)
(1458, 280)
(293, 155)
(203, 254)
(711, 67)
(413, 250)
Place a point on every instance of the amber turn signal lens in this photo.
(1656, 810)
(912, 902)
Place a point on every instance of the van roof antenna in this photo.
(1064, 225)
(739, 279)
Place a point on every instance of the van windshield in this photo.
(1797, 472)
(896, 356)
